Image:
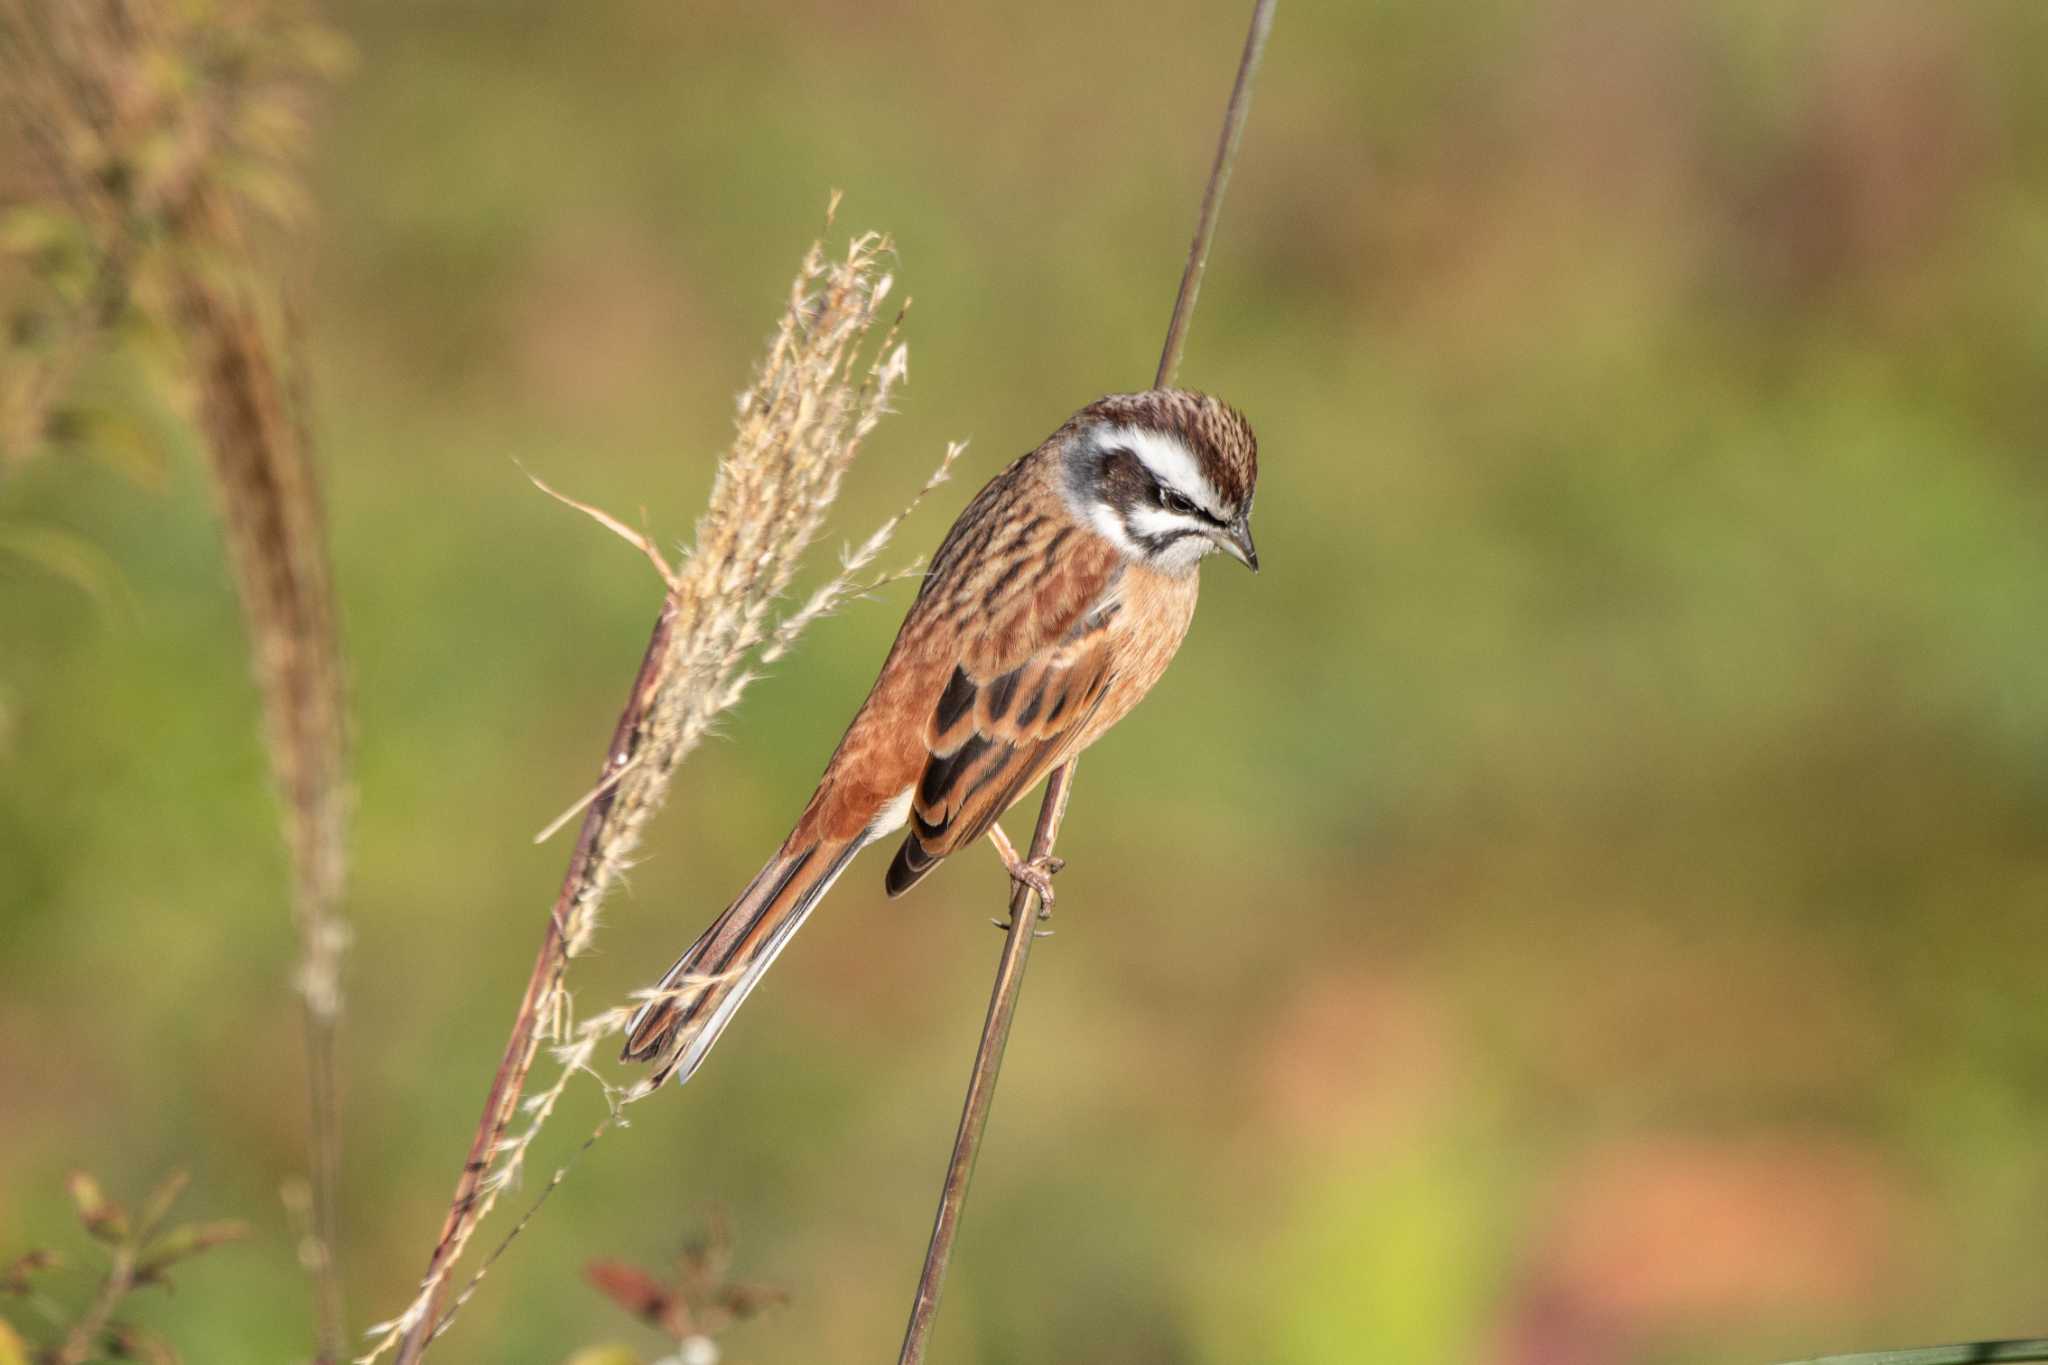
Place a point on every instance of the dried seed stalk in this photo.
(161, 134)
(798, 429)
(251, 416)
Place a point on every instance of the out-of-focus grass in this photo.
(1598, 856)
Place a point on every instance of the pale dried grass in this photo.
(158, 142)
(815, 398)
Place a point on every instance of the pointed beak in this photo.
(1237, 542)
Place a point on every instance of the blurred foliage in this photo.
(119, 119)
(1579, 904)
(149, 145)
(696, 1302)
(141, 1251)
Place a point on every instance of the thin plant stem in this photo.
(83, 1342)
(981, 1086)
(1961, 1353)
(1009, 982)
(1212, 196)
(323, 1244)
(252, 410)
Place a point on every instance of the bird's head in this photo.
(1167, 476)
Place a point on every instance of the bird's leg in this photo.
(1036, 873)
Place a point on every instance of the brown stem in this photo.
(981, 1086)
(1212, 197)
(548, 966)
(82, 1342)
(330, 1312)
(1002, 1005)
(252, 412)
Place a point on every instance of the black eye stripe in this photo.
(1180, 504)
(1156, 544)
(1126, 483)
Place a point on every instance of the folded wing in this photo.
(1016, 703)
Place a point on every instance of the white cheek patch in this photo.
(1170, 462)
(1110, 527)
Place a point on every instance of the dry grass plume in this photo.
(816, 396)
(159, 146)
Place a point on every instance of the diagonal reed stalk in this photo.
(799, 427)
(1960, 1353)
(1009, 982)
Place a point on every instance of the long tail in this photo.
(702, 992)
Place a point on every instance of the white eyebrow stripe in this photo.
(1157, 521)
(1171, 462)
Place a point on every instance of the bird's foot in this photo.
(1036, 873)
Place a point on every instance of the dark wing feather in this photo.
(1021, 695)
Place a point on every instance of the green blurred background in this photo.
(1582, 903)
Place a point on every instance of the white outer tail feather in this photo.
(704, 1034)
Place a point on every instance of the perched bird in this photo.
(1052, 606)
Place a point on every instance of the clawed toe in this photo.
(1038, 874)
(1035, 873)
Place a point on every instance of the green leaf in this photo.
(71, 557)
(103, 1218)
(159, 1203)
(184, 1242)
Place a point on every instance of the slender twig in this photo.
(84, 1340)
(1002, 1005)
(1212, 196)
(988, 1062)
(1961, 1353)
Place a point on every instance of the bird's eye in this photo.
(1175, 503)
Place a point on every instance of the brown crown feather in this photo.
(1217, 434)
